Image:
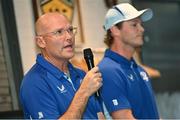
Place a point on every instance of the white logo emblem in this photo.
(131, 77)
(144, 76)
(115, 102)
(62, 89)
(40, 115)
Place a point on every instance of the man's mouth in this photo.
(68, 46)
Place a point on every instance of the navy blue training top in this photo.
(46, 93)
(126, 86)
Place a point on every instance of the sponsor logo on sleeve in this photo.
(40, 115)
(115, 102)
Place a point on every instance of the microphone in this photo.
(89, 58)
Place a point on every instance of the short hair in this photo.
(108, 40)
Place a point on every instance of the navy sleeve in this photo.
(113, 91)
(38, 102)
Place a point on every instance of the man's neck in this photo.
(60, 64)
(123, 51)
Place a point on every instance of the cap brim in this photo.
(144, 15)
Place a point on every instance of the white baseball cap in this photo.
(123, 12)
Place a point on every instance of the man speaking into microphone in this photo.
(53, 88)
(89, 58)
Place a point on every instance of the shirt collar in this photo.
(53, 69)
(119, 58)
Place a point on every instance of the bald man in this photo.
(53, 88)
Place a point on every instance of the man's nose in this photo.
(141, 28)
(68, 34)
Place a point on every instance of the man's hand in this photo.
(90, 84)
(92, 81)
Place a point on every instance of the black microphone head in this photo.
(88, 53)
(88, 56)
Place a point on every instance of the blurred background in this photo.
(159, 56)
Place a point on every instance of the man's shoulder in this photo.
(108, 64)
(34, 74)
(106, 61)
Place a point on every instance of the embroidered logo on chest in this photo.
(61, 89)
(144, 76)
(131, 77)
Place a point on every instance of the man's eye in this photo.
(134, 25)
(59, 32)
(70, 29)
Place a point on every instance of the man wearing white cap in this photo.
(126, 90)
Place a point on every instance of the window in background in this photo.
(161, 50)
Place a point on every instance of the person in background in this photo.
(126, 90)
(53, 88)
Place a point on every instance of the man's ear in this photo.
(114, 30)
(40, 41)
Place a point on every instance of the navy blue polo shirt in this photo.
(46, 93)
(126, 86)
